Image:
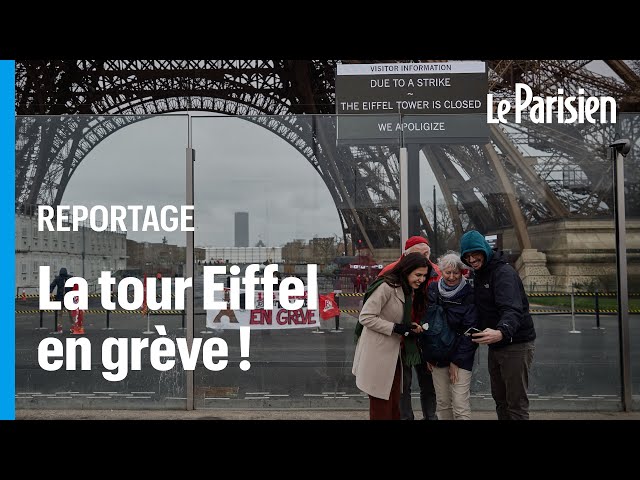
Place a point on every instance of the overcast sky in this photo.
(239, 167)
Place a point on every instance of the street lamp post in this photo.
(435, 224)
(619, 150)
(83, 251)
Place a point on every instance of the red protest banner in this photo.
(328, 306)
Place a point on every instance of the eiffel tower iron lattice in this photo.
(66, 108)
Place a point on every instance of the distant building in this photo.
(319, 250)
(241, 238)
(153, 258)
(85, 253)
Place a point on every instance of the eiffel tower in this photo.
(511, 182)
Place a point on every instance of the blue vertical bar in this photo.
(7, 221)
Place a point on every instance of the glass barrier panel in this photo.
(283, 191)
(629, 127)
(99, 195)
(542, 196)
(296, 191)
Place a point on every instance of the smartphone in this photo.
(471, 331)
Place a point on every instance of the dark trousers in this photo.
(427, 393)
(509, 373)
(380, 409)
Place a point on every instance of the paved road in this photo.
(274, 414)
(301, 369)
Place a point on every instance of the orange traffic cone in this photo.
(24, 295)
(78, 326)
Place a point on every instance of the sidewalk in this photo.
(272, 414)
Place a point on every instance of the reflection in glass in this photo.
(108, 164)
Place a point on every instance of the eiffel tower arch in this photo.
(274, 94)
(66, 108)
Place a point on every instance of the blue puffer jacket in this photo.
(461, 314)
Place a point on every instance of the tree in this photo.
(445, 231)
(324, 249)
(293, 252)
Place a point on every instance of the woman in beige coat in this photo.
(385, 325)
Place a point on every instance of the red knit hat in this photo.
(411, 241)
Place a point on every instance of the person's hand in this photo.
(487, 336)
(453, 373)
(416, 328)
(401, 329)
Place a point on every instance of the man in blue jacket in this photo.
(507, 326)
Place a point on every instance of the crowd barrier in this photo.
(550, 310)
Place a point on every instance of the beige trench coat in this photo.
(378, 349)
